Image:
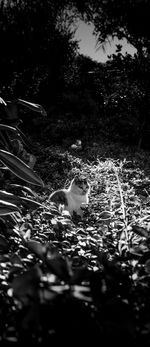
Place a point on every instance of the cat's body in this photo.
(73, 198)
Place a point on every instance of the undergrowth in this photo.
(82, 280)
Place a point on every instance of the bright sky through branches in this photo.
(87, 44)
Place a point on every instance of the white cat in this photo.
(73, 198)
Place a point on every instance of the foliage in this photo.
(115, 96)
(89, 276)
(63, 278)
(36, 41)
(121, 88)
(124, 19)
(126, 97)
(13, 140)
(111, 99)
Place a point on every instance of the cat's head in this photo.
(80, 185)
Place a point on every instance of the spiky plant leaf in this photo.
(32, 106)
(7, 208)
(19, 168)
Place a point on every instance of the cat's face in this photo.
(80, 185)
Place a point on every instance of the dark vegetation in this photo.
(61, 279)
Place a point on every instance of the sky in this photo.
(87, 44)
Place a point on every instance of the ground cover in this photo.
(91, 276)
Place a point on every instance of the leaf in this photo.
(9, 197)
(32, 160)
(30, 204)
(2, 102)
(7, 208)
(15, 259)
(8, 128)
(147, 266)
(19, 168)
(58, 265)
(81, 293)
(37, 248)
(9, 220)
(23, 189)
(140, 231)
(24, 139)
(27, 235)
(47, 215)
(105, 215)
(32, 106)
(3, 242)
(5, 140)
(18, 134)
(25, 286)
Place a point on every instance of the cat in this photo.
(73, 198)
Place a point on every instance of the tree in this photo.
(121, 18)
(128, 19)
(36, 43)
